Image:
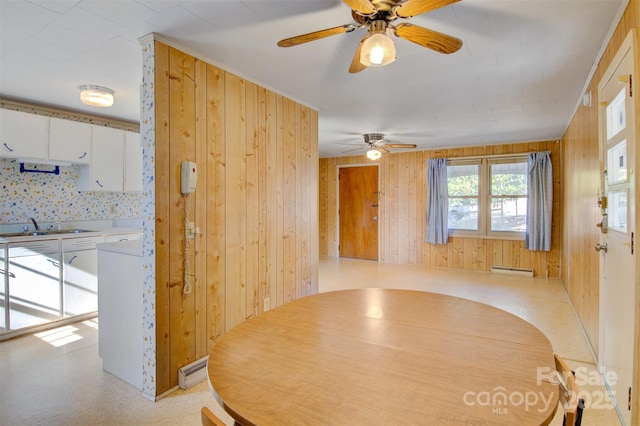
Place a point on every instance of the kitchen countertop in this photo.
(57, 236)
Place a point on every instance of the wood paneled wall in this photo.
(402, 214)
(255, 207)
(581, 183)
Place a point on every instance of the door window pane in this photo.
(616, 120)
(618, 210)
(617, 163)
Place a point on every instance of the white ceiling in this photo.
(518, 76)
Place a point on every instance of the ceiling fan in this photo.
(377, 144)
(376, 48)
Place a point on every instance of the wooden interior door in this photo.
(358, 212)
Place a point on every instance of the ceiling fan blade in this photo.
(356, 65)
(316, 35)
(382, 148)
(400, 145)
(416, 7)
(354, 150)
(428, 38)
(363, 7)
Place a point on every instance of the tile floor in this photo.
(56, 377)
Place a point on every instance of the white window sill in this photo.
(513, 236)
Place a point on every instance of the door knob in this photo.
(601, 247)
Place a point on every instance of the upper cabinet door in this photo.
(132, 162)
(106, 172)
(23, 135)
(107, 152)
(70, 141)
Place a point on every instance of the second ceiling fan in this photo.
(376, 144)
(376, 48)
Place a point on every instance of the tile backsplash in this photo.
(55, 198)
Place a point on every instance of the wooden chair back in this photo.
(210, 419)
(569, 394)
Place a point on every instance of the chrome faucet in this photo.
(35, 223)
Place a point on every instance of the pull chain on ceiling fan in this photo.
(376, 48)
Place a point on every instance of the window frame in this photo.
(468, 162)
(484, 197)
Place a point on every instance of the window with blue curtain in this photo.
(488, 196)
(507, 197)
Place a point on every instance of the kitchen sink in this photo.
(40, 233)
(24, 234)
(69, 231)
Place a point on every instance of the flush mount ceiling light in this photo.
(97, 96)
(374, 154)
(378, 48)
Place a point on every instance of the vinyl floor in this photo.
(56, 377)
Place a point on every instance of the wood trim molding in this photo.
(52, 111)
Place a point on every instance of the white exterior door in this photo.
(617, 261)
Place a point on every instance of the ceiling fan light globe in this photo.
(377, 55)
(377, 50)
(374, 154)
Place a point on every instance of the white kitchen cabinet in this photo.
(80, 275)
(4, 280)
(106, 171)
(33, 283)
(129, 236)
(120, 292)
(69, 141)
(132, 162)
(43, 279)
(23, 135)
(109, 159)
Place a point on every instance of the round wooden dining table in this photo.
(384, 357)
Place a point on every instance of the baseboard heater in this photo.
(192, 374)
(512, 271)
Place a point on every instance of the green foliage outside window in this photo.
(509, 184)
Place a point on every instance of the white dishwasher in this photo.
(120, 309)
